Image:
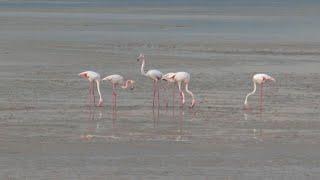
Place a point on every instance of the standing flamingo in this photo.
(92, 77)
(183, 77)
(169, 77)
(153, 74)
(258, 79)
(116, 79)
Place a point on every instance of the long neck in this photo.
(142, 67)
(189, 92)
(98, 88)
(125, 85)
(249, 94)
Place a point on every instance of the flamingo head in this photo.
(132, 82)
(193, 103)
(84, 75)
(140, 57)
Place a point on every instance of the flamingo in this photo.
(182, 77)
(153, 74)
(117, 79)
(258, 79)
(93, 77)
(169, 77)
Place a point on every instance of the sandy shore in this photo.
(48, 132)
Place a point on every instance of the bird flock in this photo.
(179, 78)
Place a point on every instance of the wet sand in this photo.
(48, 131)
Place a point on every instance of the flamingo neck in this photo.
(142, 67)
(191, 94)
(249, 94)
(125, 85)
(98, 88)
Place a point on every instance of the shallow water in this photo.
(49, 132)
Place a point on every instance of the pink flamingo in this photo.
(116, 79)
(182, 77)
(93, 77)
(258, 79)
(169, 77)
(153, 74)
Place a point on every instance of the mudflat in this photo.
(48, 131)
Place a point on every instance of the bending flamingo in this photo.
(93, 77)
(169, 77)
(184, 77)
(153, 74)
(258, 79)
(116, 79)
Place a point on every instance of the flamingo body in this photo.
(182, 77)
(169, 77)
(154, 74)
(115, 79)
(262, 78)
(90, 75)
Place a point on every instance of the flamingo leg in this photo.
(154, 92)
(88, 99)
(114, 94)
(261, 96)
(94, 98)
(181, 94)
(90, 93)
(158, 91)
(174, 93)
(181, 99)
(165, 97)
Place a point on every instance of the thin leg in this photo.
(166, 99)
(94, 98)
(181, 99)
(158, 89)
(261, 96)
(115, 96)
(90, 93)
(174, 93)
(154, 93)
